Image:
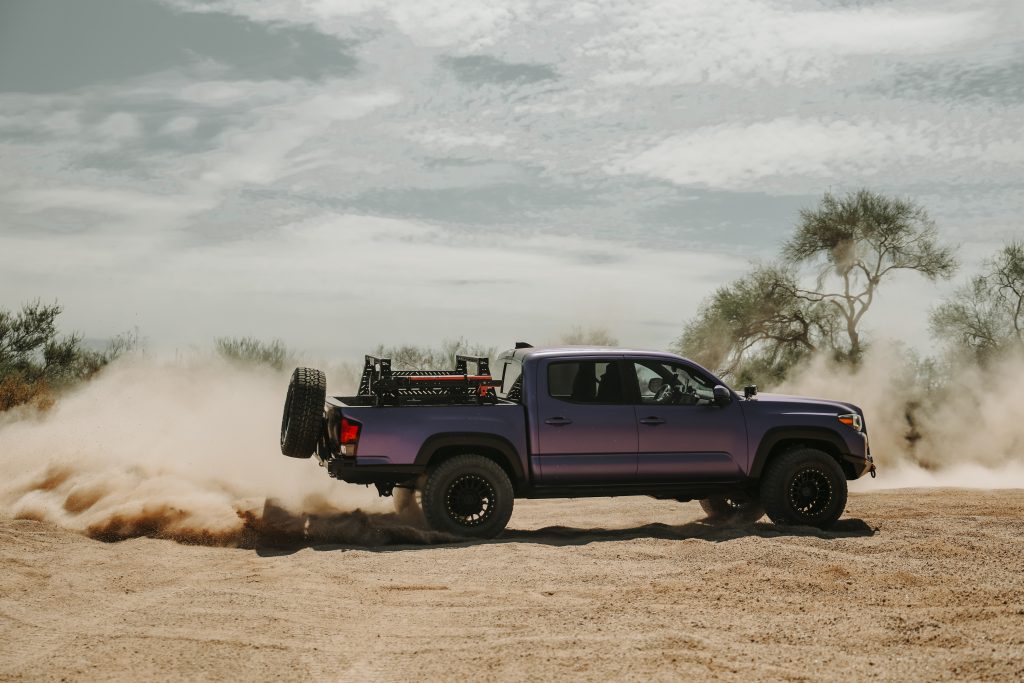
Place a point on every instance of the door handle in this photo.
(558, 421)
(652, 421)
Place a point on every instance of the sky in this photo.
(343, 173)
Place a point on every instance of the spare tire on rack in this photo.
(302, 423)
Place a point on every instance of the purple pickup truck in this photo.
(575, 422)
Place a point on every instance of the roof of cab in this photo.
(546, 352)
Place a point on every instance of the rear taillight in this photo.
(348, 436)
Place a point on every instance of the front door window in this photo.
(672, 384)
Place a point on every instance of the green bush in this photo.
(35, 361)
(254, 352)
(406, 357)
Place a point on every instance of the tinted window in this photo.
(672, 384)
(585, 382)
(511, 380)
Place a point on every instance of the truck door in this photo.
(586, 423)
(683, 434)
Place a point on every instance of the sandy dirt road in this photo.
(912, 585)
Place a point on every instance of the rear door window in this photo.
(586, 381)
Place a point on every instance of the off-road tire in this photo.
(804, 486)
(724, 509)
(303, 421)
(450, 488)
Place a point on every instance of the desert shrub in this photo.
(254, 352)
(15, 390)
(591, 336)
(432, 358)
(36, 361)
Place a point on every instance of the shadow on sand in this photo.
(701, 530)
(280, 532)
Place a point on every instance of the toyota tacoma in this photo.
(576, 422)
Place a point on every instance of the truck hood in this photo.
(798, 403)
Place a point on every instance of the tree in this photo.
(986, 315)
(34, 359)
(856, 241)
(757, 326)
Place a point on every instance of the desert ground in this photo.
(923, 584)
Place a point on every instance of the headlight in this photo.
(853, 420)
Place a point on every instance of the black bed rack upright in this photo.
(385, 386)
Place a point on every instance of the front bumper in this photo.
(860, 464)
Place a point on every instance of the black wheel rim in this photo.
(810, 492)
(470, 500)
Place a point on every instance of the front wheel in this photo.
(735, 508)
(468, 495)
(804, 486)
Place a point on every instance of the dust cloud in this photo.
(185, 450)
(965, 432)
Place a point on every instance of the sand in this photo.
(911, 585)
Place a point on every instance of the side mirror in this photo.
(655, 384)
(723, 396)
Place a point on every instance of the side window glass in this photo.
(585, 382)
(516, 392)
(671, 384)
(511, 381)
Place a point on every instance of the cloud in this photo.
(788, 150)
(120, 202)
(446, 139)
(270, 147)
(465, 24)
(119, 126)
(323, 282)
(273, 137)
(483, 69)
(544, 140)
(57, 45)
(748, 42)
(180, 125)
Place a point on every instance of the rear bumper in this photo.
(347, 469)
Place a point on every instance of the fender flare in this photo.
(471, 440)
(775, 435)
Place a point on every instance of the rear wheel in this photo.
(468, 495)
(302, 422)
(735, 508)
(804, 486)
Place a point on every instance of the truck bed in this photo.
(395, 435)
